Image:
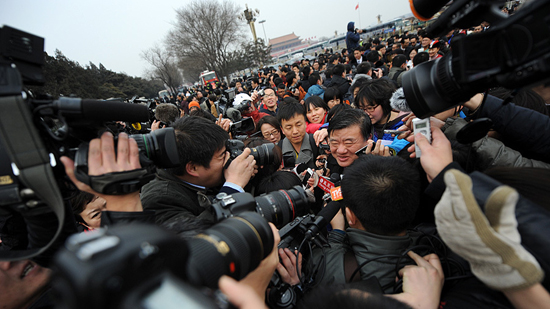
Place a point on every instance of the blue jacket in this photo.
(390, 141)
(315, 90)
(352, 38)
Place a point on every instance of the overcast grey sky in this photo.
(115, 32)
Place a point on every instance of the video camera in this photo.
(35, 133)
(294, 236)
(514, 52)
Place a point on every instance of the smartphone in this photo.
(396, 132)
(307, 176)
(421, 126)
(362, 150)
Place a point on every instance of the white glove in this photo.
(490, 242)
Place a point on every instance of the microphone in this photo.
(101, 110)
(323, 218)
(233, 114)
(398, 101)
(335, 178)
(426, 9)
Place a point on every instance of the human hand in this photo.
(489, 241)
(224, 123)
(320, 135)
(156, 125)
(379, 74)
(422, 284)
(103, 160)
(255, 97)
(259, 278)
(320, 160)
(435, 156)
(406, 127)
(287, 266)
(240, 295)
(241, 169)
(378, 149)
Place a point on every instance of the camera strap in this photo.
(24, 147)
(116, 183)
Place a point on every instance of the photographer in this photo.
(24, 284)
(353, 36)
(184, 191)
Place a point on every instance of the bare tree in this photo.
(206, 35)
(164, 67)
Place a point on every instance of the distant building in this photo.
(284, 43)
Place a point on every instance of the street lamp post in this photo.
(265, 36)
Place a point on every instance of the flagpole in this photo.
(359, 12)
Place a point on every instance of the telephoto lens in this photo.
(263, 154)
(278, 207)
(281, 207)
(233, 247)
(159, 146)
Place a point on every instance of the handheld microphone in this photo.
(322, 220)
(398, 101)
(335, 178)
(101, 110)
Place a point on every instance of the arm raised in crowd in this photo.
(525, 130)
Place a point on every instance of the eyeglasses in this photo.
(269, 95)
(272, 133)
(368, 108)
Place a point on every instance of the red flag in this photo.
(357, 7)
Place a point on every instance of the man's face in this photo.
(281, 92)
(344, 143)
(478, 29)
(213, 175)
(269, 99)
(92, 212)
(254, 85)
(394, 47)
(426, 42)
(383, 50)
(316, 66)
(413, 41)
(296, 70)
(21, 282)
(433, 51)
(295, 128)
(357, 54)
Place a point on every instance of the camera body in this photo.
(128, 266)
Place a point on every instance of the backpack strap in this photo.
(314, 148)
(396, 75)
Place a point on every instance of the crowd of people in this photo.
(460, 227)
